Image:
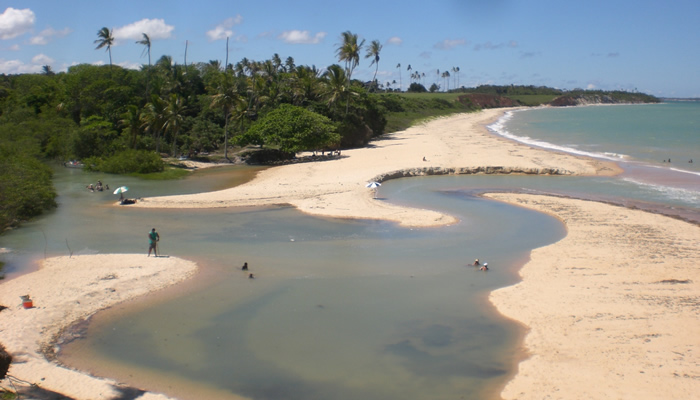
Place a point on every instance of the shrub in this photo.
(127, 162)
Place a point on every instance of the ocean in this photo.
(658, 145)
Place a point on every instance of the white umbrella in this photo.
(121, 189)
(374, 186)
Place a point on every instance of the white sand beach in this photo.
(611, 310)
(66, 290)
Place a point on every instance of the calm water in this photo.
(341, 309)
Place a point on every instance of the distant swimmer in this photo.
(691, 161)
(485, 267)
(251, 276)
(244, 267)
(476, 263)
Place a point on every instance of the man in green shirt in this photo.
(153, 239)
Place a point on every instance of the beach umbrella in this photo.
(374, 186)
(121, 189)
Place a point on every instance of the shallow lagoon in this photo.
(339, 309)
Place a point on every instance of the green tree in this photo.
(105, 39)
(373, 52)
(153, 118)
(131, 121)
(174, 118)
(227, 99)
(293, 129)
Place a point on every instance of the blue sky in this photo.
(650, 46)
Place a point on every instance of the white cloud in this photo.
(590, 86)
(18, 67)
(129, 65)
(301, 37)
(14, 47)
(154, 28)
(45, 36)
(15, 22)
(450, 44)
(223, 30)
(395, 40)
(42, 59)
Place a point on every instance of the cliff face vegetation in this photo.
(582, 99)
(487, 100)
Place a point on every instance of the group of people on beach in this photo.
(97, 187)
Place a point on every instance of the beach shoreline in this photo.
(337, 189)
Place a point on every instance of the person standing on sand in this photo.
(153, 239)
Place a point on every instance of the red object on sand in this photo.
(28, 303)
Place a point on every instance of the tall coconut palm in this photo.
(409, 69)
(398, 66)
(153, 118)
(146, 42)
(349, 52)
(336, 85)
(227, 99)
(131, 121)
(105, 39)
(174, 118)
(373, 52)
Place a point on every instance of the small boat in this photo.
(73, 164)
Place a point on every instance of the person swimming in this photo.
(476, 263)
(244, 267)
(484, 267)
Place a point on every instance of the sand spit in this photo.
(613, 309)
(66, 290)
(337, 188)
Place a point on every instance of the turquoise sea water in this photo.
(654, 143)
(344, 309)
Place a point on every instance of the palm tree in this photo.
(153, 118)
(373, 52)
(131, 121)
(398, 66)
(146, 41)
(174, 118)
(349, 52)
(227, 99)
(46, 69)
(105, 39)
(336, 85)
